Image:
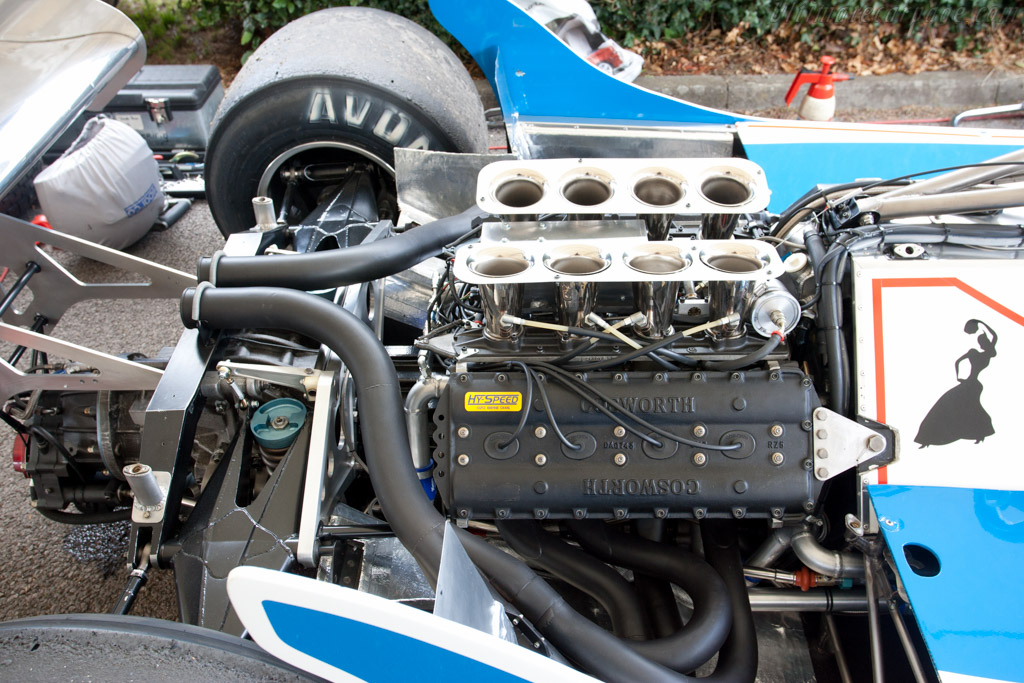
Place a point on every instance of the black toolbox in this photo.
(171, 106)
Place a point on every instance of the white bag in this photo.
(105, 188)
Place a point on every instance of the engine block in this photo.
(484, 473)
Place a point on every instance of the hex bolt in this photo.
(463, 432)
(822, 473)
(821, 414)
(540, 459)
(777, 430)
(279, 422)
(822, 453)
(808, 464)
(778, 458)
(619, 432)
(540, 432)
(619, 459)
(699, 431)
(777, 513)
(699, 459)
(876, 443)
(821, 434)
(463, 459)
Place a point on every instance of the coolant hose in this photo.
(709, 626)
(339, 267)
(582, 570)
(412, 517)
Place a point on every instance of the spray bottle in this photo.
(820, 103)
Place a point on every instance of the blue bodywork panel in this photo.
(540, 79)
(971, 612)
(536, 76)
(794, 168)
(372, 653)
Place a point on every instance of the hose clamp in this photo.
(200, 288)
(214, 263)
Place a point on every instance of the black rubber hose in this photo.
(747, 360)
(828, 320)
(709, 626)
(105, 517)
(340, 267)
(577, 568)
(737, 660)
(413, 518)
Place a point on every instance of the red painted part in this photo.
(20, 454)
(805, 579)
(41, 221)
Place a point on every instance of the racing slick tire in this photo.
(342, 85)
(103, 647)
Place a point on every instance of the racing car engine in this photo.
(530, 425)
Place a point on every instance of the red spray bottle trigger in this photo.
(820, 104)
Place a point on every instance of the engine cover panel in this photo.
(767, 412)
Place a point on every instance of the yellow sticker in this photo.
(494, 401)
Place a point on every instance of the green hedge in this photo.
(647, 20)
(638, 21)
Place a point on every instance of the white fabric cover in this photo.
(105, 188)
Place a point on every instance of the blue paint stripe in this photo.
(972, 613)
(372, 653)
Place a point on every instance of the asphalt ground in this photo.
(50, 568)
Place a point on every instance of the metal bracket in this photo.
(108, 372)
(840, 443)
(316, 469)
(306, 379)
(56, 290)
(153, 514)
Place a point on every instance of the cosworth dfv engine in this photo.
(576, 276)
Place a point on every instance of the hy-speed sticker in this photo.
(494, 401)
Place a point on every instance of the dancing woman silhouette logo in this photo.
(958, 414)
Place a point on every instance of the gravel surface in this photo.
(52, 568)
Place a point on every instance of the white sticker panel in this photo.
(131, 120)
(937, 359)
